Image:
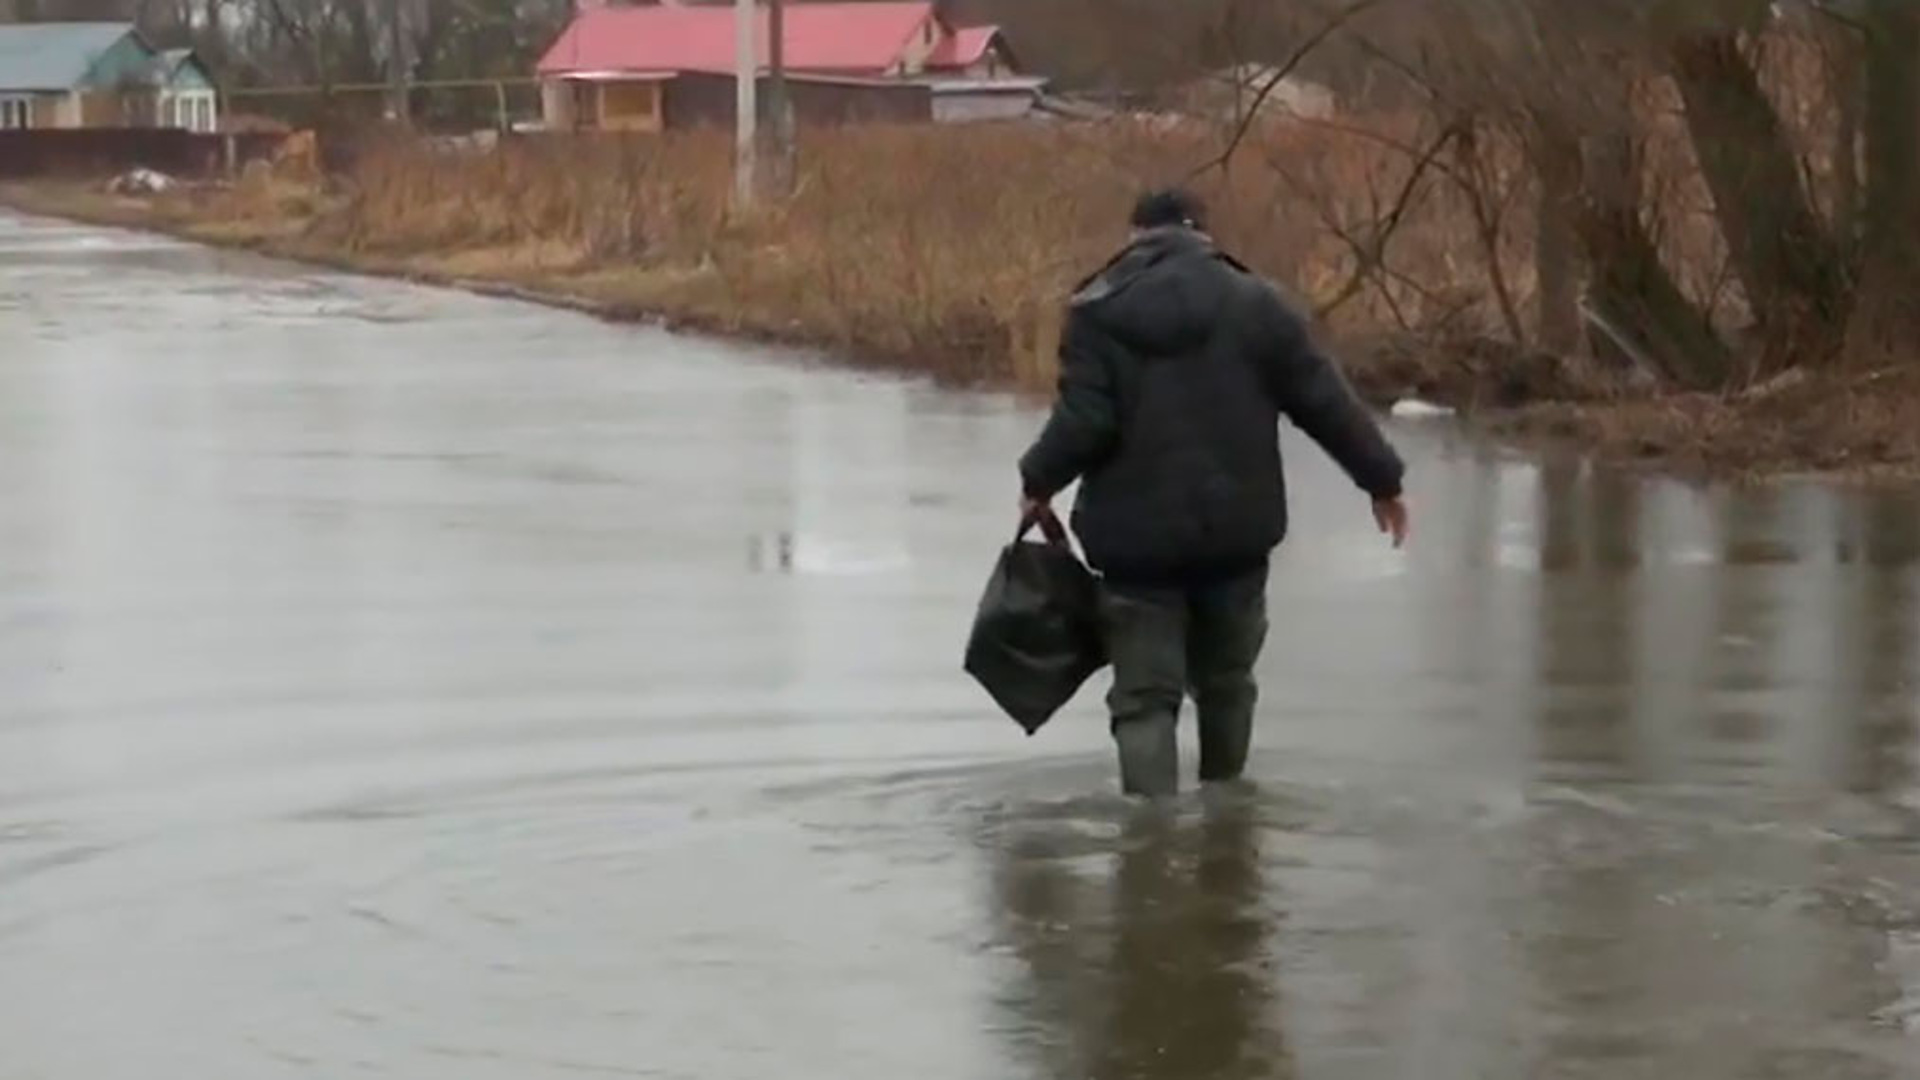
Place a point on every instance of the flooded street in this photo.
(395, 682)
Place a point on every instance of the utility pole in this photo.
(779, 107)
(397, 58)
(746, 75)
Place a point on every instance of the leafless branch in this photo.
(1370, 251)
(1841, 18)
(1280, 74)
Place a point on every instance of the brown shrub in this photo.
(950, 249)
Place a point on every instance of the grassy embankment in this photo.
(948, 251)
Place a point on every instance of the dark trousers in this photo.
(1167, 643)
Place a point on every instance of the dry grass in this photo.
(949, 251)
(1851, 425)
(942, 250)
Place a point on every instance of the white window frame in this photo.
(16, 112)
(190, 110)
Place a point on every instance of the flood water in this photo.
(400, 683)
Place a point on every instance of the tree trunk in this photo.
(1789, 266)
(1886, 316)
(781, 165)
(1849, 92)
(1556, 159)
(1630, 287)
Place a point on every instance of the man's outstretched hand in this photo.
(1034, 509)
(1391, 516)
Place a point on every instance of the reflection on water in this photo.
(1153, 962)
(1708, 865)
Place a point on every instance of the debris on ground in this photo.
(1839, 423)
(141, 181)
(1415, 409)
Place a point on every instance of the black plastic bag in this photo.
(1036, 638)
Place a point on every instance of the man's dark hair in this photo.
(1169, 206)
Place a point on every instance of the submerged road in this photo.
(395, 682)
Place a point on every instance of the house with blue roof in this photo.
(100, 75)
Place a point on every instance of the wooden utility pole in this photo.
(746, 75)
(397, 59)
(779, 107)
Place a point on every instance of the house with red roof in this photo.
(672, 65)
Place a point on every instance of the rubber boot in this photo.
(1229, 631)
(1226, 730)
(1149, 756)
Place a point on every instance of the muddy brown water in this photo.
(400, 683)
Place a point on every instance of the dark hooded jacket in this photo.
(1177, 363)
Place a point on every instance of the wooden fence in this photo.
(92, 152)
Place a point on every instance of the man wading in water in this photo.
(1177, 363)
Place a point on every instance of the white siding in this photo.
(970, 106)
(556, 105)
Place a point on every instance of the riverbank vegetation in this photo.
(1670, 231)
(942, 250)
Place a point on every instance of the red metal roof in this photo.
(964, 47)
(823, 37)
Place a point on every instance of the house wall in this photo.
(194, 110)
(970, 106)
(556, 105)
(569, 105)
(114, 109)
(43, 110)
(830, 104)
(695, 101)
(102, 108)
(629, 106)
(47, 111)
(698, 99)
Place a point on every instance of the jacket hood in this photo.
(1154, 295)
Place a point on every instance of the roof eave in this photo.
(981, 86)
(554, 64)
(610, 75)
(995, 36)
